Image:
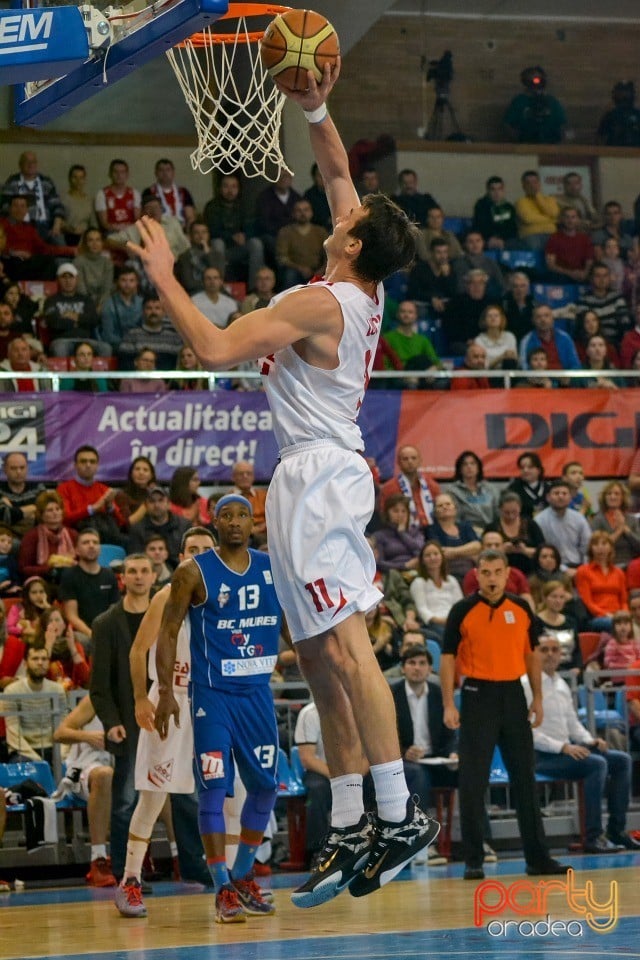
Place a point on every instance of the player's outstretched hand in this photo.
(316, 93)
(167, 707)
(154, 252)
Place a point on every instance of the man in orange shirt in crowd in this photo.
(493, 635)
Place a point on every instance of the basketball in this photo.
(295, 42)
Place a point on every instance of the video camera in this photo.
(534, 79)
(441, 72)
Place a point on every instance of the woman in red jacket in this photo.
(50, 546)
(601, 585)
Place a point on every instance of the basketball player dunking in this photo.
(317, 345)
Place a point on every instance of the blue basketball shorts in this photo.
(228, 726)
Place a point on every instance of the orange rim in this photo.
(235, 11)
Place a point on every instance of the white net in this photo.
(236, 107)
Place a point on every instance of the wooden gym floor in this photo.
(423, 913)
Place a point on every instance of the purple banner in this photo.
(209, 431)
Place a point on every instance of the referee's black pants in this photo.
(495, 712)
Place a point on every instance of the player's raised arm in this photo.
(326, 143)
(254, 335)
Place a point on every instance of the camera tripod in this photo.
(442, 111)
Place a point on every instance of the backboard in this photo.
(119, 40)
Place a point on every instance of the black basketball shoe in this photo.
(345, 850)
(394, 846)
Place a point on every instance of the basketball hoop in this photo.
(236, 107)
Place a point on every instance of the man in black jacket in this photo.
(113, 701)
(112, 693)
(421, 728)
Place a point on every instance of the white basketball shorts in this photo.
(166, 766)
(319, 502)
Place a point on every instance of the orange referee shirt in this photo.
(491, 640)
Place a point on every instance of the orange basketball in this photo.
(295, 42)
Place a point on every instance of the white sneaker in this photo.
(435, 859)
(490, 856)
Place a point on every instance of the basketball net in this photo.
(236, 107)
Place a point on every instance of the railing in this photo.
(49, 708)
(52, 378)
(593, 683)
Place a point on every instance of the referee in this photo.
(493, 635)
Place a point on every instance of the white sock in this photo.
(347, 804)
(173, 847)
(98, 850)
(391, 791)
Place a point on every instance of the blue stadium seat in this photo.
(297, 770)
(522, 259)
(395, 286)
(294, 791)
(604, 717)
(498, 773)
(458, 225)
(111, 553)
(556, 295)
(288, 784)
(434, 649)
(12, 774)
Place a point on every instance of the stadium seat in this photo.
(556, 295)
(110, 554)
(12, 774)
(603, 715)
(396, 286)
(237, 289)
(445, 798)
(297, 770)
(458, 225)
(293, 791)
(57, 364)
(42, 331)
(498, 773)
(588, 641)
(522, 259)
(38, 289)
(434, 649)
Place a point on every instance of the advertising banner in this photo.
(213, 430)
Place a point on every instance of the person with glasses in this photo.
(565, 749)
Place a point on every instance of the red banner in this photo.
(600, 428)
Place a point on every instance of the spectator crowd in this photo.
(534, 283)
(543, 283)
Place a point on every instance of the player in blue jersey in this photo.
(235, 622)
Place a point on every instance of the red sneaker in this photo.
(100, 874)
(228, 906)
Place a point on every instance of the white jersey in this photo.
(165, 766)
(182, 664)
(309, 403)
(83, 755)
